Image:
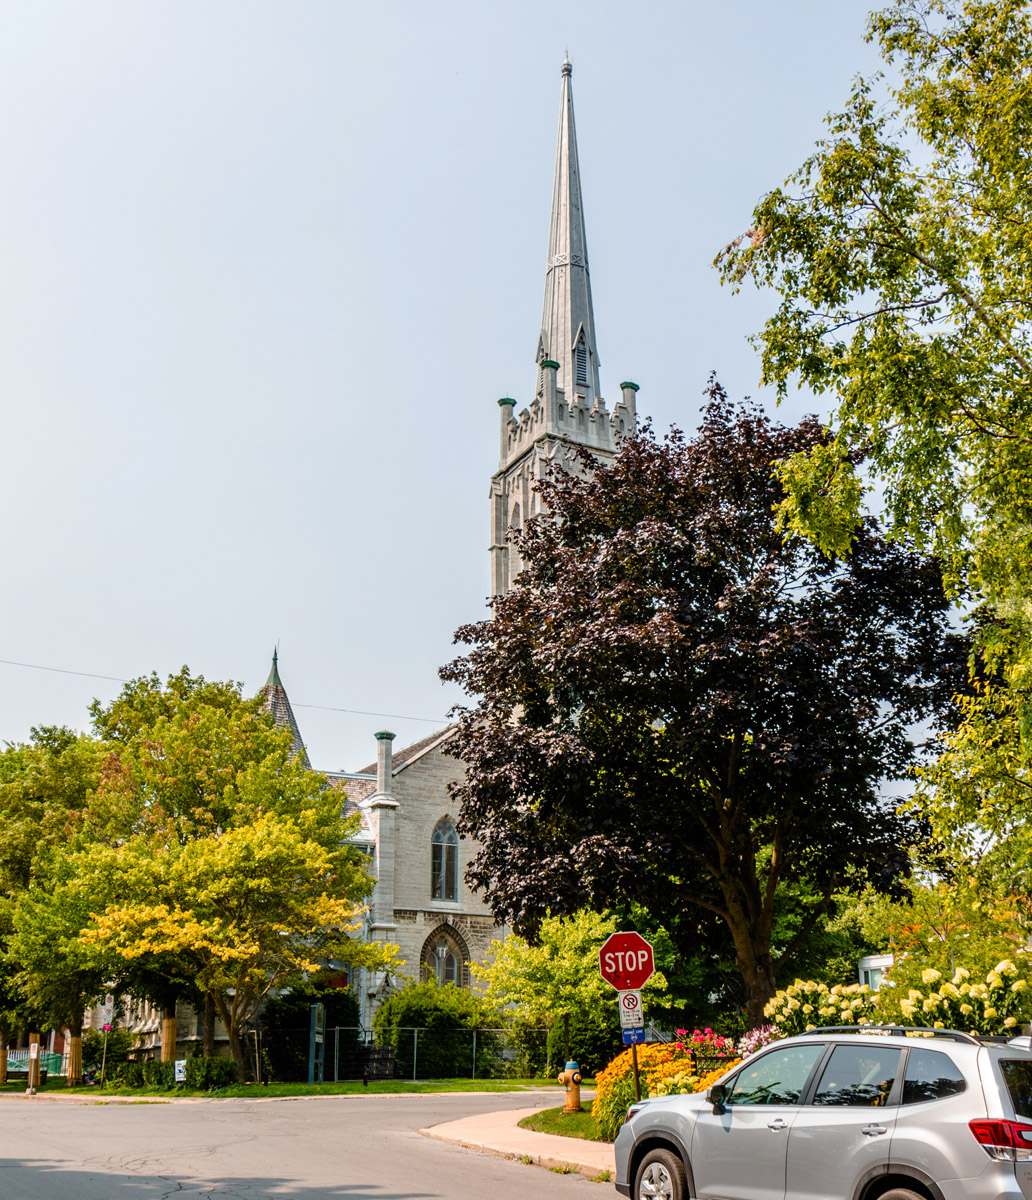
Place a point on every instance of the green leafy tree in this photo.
(679, 706)
(45, 790)
(901, 256)
(554, 981)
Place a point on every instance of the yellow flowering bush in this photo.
(806, 1004)
(999, 1005)
(675, 1078)
(665, 1069)
(614, 1085)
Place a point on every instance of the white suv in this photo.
(851, 1113)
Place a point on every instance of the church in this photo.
(421, 900)
(407, 818)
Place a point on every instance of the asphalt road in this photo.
(332, 1148)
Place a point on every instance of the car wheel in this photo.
(661, 1176)
(900, 1194)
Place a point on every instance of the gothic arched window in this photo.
(444, 862)
(444, 958)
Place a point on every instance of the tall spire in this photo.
(567, 411)
(568, 320)
(277, 703)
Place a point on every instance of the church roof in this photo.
(278, 703)
(568, 319)
(409, 754)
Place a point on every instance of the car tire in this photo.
(661, 1176)
(900, 1194)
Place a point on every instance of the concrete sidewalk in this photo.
(499, 1133)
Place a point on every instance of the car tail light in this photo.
(1007, 1140)
(635, 1108)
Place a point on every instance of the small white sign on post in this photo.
(34, 1050)
(632, 1015)
(180, 1070)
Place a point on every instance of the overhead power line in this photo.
(355, 712)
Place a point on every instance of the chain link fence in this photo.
(410, 1052)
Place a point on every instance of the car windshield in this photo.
(1017, 1073)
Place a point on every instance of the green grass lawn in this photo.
(351, 1087)
(554, 1120)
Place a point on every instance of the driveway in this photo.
(359, 1148)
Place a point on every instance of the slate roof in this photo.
(408, 754)
(278, 703)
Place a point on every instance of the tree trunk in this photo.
(75, 1053)
(3, 1056)
(168, 1033)
(208, 1045)
(751, 939)
(757, 968)
(229, 1019)
(237, 1050)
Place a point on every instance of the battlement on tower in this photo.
(549, 414)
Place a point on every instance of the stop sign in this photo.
(626, 961)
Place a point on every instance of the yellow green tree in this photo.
(900, 255)
(555, 978)
(198, 776)
(240, 912)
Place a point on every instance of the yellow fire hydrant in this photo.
(570, 1079)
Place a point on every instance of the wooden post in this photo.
(75, 1058)
(168, 1034)
(637, 1079)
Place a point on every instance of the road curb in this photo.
(498, 1133)
(531, 1160)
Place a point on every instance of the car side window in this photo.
(858, 1076)
(930, 1075)
(775, 1078)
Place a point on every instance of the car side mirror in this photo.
(716, 1095)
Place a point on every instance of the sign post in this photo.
(317, 1033)
(626, 961)
(107, 1015)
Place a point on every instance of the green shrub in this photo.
(157, 1074)
(207, 1074)
(445, 1018)
(129, 1075)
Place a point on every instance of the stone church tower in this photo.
(567, 410)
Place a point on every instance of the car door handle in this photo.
(776, 1124)
(873, 1130)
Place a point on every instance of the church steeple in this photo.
(567, 319)
(567, 411)
(277, 703)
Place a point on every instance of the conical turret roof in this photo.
(278, 704)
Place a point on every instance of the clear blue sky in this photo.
(268, 266)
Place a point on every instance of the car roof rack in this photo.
(951, 1035)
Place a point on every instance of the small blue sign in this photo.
(632, 1036)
